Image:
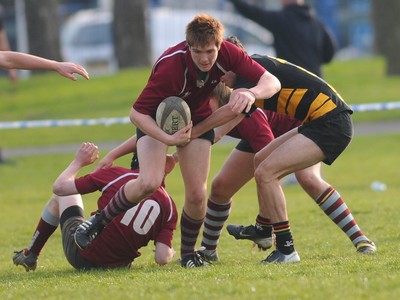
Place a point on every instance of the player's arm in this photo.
(125, 148)
(243, 99)
(221, 131)
(219, 117)
(149, 126)
(18, 60)
(65, 183)
(163, 254)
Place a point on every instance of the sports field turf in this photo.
(330, 268)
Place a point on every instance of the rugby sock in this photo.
(284, 240)
(44, 229)
(263, 226)
(336, 209)
(118, 204)
(189, 232)
(215, 219)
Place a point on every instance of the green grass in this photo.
(330, 267)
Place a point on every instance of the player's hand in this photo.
(181, 137)
(241, 100)
(68, 70)
(87, 154)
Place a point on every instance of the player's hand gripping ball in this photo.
(173, 114)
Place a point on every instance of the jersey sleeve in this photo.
(165, 236)
(242, 64)
(165, 80)
(256, 130)
(91, 182)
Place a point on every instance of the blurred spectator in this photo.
(5, 46)
(300, 37)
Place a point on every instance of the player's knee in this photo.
(196, 197)
(149, 186)
(262, 176)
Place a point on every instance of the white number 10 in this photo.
(145, 218)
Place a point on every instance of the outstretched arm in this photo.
(65, 183)
(18, 60)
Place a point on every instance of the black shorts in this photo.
(332, 134)
(209, 135)
(70, 219)
(244, 146)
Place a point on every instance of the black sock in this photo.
(263, 226)
(284, 239)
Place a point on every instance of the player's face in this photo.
(204, 57)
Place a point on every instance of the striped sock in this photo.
(336, 209)
(118, 204)
(215, 219)
(190, 230)
(284, 240)
(42, 233)
(263, 226)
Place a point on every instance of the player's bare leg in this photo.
(282, 160)
(194, 161)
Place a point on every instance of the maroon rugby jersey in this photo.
(154, 219)
(262, 127)
(175, 74)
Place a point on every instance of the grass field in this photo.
(330, 268)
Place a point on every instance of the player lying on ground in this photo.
(18, 60)
(153, 219)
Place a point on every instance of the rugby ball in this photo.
(172, 114)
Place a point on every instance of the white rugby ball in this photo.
(173, 114)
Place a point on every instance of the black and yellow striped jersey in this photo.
(303, 95)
